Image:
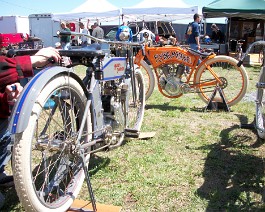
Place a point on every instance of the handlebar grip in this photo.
(11, 53)
(51, 60)
(239, 63)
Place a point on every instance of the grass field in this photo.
(197, 161)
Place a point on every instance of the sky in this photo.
(27, 7)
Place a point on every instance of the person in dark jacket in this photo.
(217, 34)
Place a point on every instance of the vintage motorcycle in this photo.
(60, 120)
(178, 71)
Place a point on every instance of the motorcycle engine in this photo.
(112, 100)
(170, 79)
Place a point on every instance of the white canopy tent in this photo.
(149, 10)
(100, 10)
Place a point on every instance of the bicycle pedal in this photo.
(131, 133)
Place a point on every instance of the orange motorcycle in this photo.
(181, 70)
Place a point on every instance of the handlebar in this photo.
(100, 40)
(257, 43)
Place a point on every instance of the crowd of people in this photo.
(97, 31)
(66, 41)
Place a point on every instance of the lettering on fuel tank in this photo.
(119, 67)
(164, 56)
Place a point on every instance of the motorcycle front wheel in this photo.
(148, 78)
(47, 169)
(136, 102)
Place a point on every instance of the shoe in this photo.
(6, 181)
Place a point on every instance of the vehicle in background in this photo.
(10, 39)
(43, 27)
(14, 24)
(18, 41)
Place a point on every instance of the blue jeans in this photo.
(194, 46)
(5, 139)
(66, 46)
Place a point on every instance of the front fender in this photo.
(23, 107)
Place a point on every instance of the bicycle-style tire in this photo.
(149, 78)
(234, 78)
(260, 108)
(49, 177)
(136, 107)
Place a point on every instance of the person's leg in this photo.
(5, 181)
(5, 155)
(4, 140)
(67, 46)
(84, 44)
(194, 46)
(2, 200)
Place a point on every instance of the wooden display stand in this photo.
(86, 206)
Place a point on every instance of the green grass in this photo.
(197, 161)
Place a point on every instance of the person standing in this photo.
(98, 32)
(65, 39)
(84, 40)
(193, 33)
(217, 35)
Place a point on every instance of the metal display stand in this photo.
(215, 103)
(91, 206)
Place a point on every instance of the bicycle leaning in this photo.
(60, 120)
(260, 96)
(205, 71)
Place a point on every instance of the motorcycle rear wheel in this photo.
(234, 79)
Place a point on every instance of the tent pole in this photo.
(263, 30)
(204, 25)
(229, 30)
(156, 28)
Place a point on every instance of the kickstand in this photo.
(89, 186)
(215, 103)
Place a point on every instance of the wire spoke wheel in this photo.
(233, 79)
(136, 103)
(47, 170)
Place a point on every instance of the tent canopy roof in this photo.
(236, 8)
(149, 10)
(101, 10)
